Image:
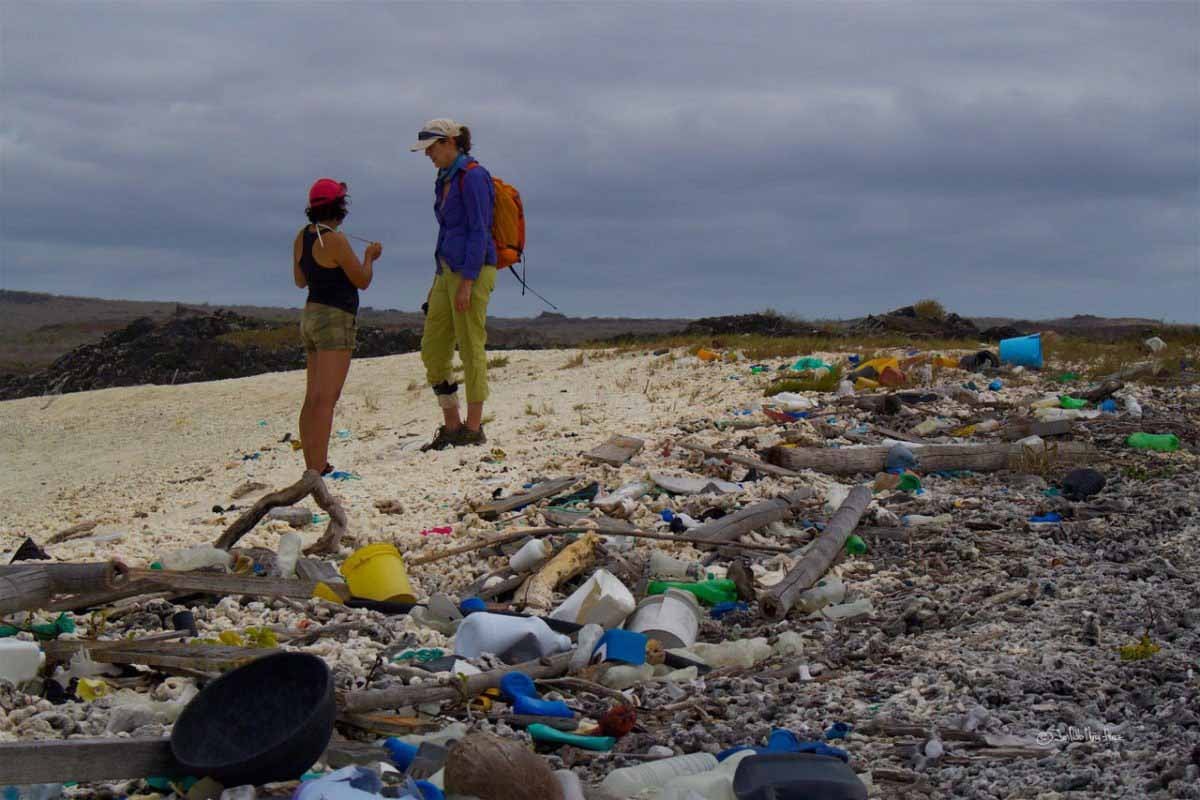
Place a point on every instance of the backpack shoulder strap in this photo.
(462, 173)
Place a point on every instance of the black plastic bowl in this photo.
(269, 720)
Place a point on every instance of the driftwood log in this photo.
(745, 461)
(466, 689)
(57, 761)
(616, 451)
(538, 590)
(752, 517)
(933, 458)
(28, 587)
(819, 557)
(310, 483)
(541, 491)
(1031, 427)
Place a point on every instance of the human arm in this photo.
(477, 200)
(360, 273)
(297, 273)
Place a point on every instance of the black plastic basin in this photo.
(796, 776)
(269, 720)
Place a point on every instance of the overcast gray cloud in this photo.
(675, 159)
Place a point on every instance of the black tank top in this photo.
(329, 287)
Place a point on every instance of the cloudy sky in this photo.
(675, 159)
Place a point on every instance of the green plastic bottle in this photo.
(1163, 442)
(1066, 401)
(709, 592)
(855, 546)
(909, 482)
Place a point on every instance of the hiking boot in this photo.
(465, 437)
(442, 439)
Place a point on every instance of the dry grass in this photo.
(1095, 360)
(497, 362)
(812, 383)
(574, 361)
(544, 410)
(758, 347)
(930, 309)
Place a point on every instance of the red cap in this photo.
(325, 190)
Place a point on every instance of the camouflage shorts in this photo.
(327, 328)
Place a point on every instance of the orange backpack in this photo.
(508, 221)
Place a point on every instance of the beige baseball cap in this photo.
(433, 130)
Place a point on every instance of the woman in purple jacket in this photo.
(465, 258)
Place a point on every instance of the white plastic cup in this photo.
(672, 618)
(602, 599)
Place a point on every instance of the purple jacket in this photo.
(464, 215)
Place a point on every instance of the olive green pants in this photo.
(445, 327)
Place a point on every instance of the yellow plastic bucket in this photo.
(376, 572)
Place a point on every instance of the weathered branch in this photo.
(933, 458)
(309, 484)
(776, 603)
(752, 517)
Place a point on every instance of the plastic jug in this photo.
(288, 554)
(859, 608)
(629, 781)
(19, 661)
(530, 555)
(494, 633)
(602, 599)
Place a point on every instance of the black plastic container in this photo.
(796, 776)
(269, 720)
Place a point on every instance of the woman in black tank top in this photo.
(325, 264)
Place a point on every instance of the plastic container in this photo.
(602, 600)
(19, 661)
(376, 572)
(715, 784)
(735, 653)
(1133, 408)
(269, 720)
(1066, 401)
(532, 553)
(288, 554)
(709, 592)
(629, 781)
(483, 633)
(792, 776)
(1162, 442)
(628, 647)
(859, 608)
(585, 644)
(826, 592)
(665, 566)
(201, 556)
(673, 618)
(1022, 351)
(900, 457)
(572, 787)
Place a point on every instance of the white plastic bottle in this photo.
(585, 643)
(198, 557)
(859, 608)
(826, 592)
(534, 552)
(716, 784)
(288, 554)
(665, 566)
(628, 781)
(482, 632)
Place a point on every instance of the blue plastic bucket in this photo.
(1024, 351)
